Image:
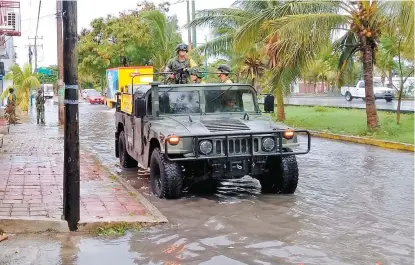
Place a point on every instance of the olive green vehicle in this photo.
(199, 134)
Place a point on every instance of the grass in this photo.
(351, 122)
(118, 229)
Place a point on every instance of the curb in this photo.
(152, 210)
(33, 225)
(364, 140)
(158, 217)
(347, 107)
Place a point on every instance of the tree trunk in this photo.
(367, 59)
(398, 109)
(280, 104)
(382, 79)
(390, 85)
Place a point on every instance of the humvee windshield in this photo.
(217, 99)
(229, 99)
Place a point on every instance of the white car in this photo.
(381, 92)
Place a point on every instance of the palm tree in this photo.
(246, 24)
(23, 82)
(362, 21)
(164, 35)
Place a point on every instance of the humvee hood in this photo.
(213, 124)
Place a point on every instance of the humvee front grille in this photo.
(235, 146)
(224, 125)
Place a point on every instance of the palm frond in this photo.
(219, 17)
(222, 45)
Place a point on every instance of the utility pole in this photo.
(30, 55)
(193, 28)
(61, 94)
(189, 31)
(71, 188)
(35, 49)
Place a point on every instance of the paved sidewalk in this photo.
(31, 177)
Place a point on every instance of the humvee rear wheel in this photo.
(166, 176)
(281, 175)
(126, 161)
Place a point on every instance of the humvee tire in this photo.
(281, 175)
(166, 176)
(126, 161)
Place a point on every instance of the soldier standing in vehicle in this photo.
(197, 77)
(224, 71)
(40, 107)
(181, 61)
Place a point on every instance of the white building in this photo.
(8, 57)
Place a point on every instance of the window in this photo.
(179, 102)
(231, 99)
(176, 102)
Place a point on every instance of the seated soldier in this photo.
(229, 104)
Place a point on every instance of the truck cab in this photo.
(203, 133)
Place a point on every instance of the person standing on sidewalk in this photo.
(11, 107)
(40, 107)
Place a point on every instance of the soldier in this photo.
(224, 70)
(229, 104)
(40, 107)
(197, 77)
(181, 61)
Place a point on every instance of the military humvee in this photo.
(203, 133)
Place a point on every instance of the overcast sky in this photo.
(87, 11)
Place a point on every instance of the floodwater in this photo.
(354, 205)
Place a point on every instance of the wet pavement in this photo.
(354, 205)
(381, 104)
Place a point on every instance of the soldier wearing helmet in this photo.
(40, 107)
(197, 76)
(181, 61)
(224, 71)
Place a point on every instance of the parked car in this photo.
(381, 92)
(94, 97)
(84, 93)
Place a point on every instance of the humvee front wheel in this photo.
(126, 161)
(281, 175)
(166, 176)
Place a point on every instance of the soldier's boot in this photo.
(43, 121)
(37, 121)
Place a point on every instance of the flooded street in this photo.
(354, 205)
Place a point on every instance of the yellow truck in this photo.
(119, 79)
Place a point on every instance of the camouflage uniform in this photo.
(40, 107)
(175, 64)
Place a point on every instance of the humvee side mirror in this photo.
(140, 107)
(269, 103)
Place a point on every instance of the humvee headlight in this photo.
(173, 140)
(268, 144)
(205, 147)
(288, 134)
